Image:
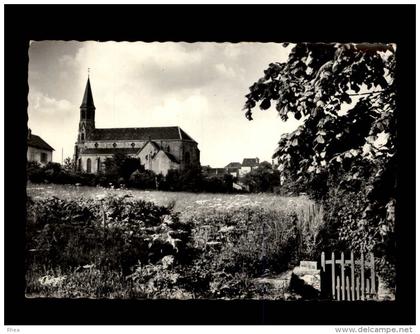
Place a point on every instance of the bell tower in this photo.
(87, 115)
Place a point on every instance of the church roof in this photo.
(38, 142)
(87, 97)
(152, 133)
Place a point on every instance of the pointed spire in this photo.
(87, 97)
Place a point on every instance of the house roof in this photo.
(250, 162)
(38, 142)
(171, 157)
(234, 165)
(152, 133)
(110, 151)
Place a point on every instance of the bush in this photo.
(262, 179)
(34, 172)
(254, 241)
(188, 179)
(215, 184)
(115, 233)
(143, 179)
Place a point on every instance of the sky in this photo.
(200, 87)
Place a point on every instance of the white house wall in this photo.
(34, 154)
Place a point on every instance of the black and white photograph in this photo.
(203, 170)
(211, 170)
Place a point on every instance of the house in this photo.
(38, 149)
(158, 149)
(233, 168)
(248, 165)
(217, 172)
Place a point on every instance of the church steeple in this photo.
(87, 101)
(87, 114)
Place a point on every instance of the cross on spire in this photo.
(88, 71)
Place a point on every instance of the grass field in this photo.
(183, 202)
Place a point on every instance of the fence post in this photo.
(372, 275)
(343, 285)
(348, 288)
(358, 288)
(333, 274)
(323, 261)
(352, 274)
(367, 288)
(362, 275)
(338, 288)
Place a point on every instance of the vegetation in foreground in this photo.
(344, 153)
(121, 247)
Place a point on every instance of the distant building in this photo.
(218, 172)
(233, 168)
(159, 149)
(38, 149)
(248, 165)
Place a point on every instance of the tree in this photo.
(262, 179)
(68, 165)
(121, 166)
(345, 95)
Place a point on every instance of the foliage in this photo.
(188, 179)
(121, 166)
(146, 251)
(262, 179)
(248, 240)
(344, 152)
(142, 179)
(214, 184)
(113, 233)
(34, 172)
(68, 164)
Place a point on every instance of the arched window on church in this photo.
(88, 165)
(187, 158)
(168, 149)
(82, 136)
(98, 166)
(83, 114)
(79, 165)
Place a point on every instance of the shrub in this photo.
(254, 241)
(114, 233)
(34, 172)
(143, 179)
(262, 179)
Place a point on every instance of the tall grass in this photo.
(215, 248)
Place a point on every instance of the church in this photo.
(158, 149)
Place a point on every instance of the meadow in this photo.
(185, 203)
(94, 242)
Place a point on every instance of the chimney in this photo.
(29, 134)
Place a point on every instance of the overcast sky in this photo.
(197, 86)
